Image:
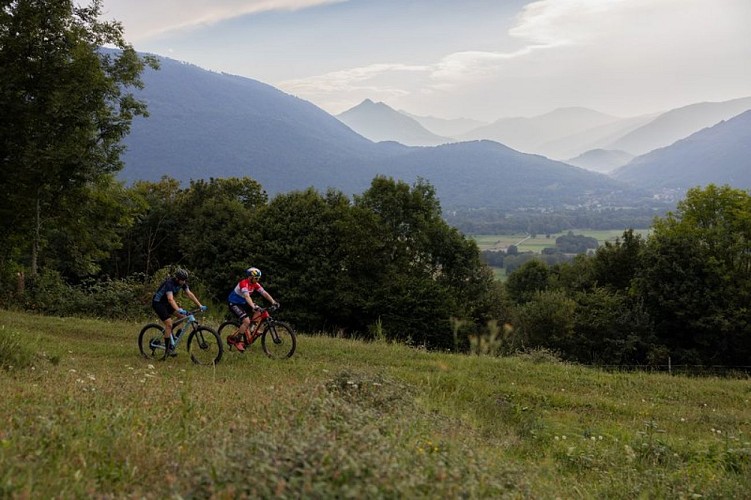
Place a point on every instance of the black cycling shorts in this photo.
(241, 311)
(163, 309)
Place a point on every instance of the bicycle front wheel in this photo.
(151, 341)
(205, 346)
(228, 328)
(279, 340)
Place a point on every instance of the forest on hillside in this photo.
(75, 241)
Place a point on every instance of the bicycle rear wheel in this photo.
(151, 341)
(205, 346)
(279, 340)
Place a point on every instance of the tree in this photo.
(575, 243)
(546, 320)
(614, 265)
(149, 244)
(524, 283)
(694, 277)
(385, 260)
(63, 112)
(216, 234)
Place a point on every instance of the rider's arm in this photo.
(268, 296)
(250, 302)
(171, 300)
(192, 297)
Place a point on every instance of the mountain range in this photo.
(567, 133)
(205, 124)
(692, 161)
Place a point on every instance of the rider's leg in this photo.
(164, 312)
(167, 330)
(253, 326)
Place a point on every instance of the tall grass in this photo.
(343, 418)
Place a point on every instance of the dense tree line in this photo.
(494, 221)
(575, 243)
(385, 259)
(683, 293)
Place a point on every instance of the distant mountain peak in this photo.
(379, 122)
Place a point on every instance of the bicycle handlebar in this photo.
(188, 315)
(271, 308)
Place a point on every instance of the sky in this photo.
(478, 59)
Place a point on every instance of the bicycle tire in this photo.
(150, 341)
(227, 328)
(279, 340)
(205, 346)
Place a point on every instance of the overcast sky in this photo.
(482, 59)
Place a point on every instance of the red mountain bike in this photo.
(277, 337)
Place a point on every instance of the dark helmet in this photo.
(253, 272)
(181, 274)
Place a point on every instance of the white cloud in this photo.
(349, 79)
(564, 22)
(145, 19)
(578, 52)
(619, 56)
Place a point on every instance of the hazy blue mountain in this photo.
(446, 127)
(720, 155)
(489, 174)
(204, 124)
(599, 137)
(530, 134)
(678, 124)
(601, 160)
(378, 122)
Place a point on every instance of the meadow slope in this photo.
(83, 415)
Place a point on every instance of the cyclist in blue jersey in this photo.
(165, 306)
(243, 307)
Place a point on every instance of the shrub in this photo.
(14, 353)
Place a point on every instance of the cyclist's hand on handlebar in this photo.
(182, 311)
(204, 308)
(276, 305)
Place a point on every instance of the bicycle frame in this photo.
(264, 318)
(177, 334)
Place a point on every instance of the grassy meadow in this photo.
(82, 415)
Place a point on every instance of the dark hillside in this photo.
(489, 174)
(718, 155)
(205, 124)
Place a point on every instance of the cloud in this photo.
(146, 19)
(349, 79)
(571, 50)
(555, 23)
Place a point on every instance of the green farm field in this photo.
(526, 243)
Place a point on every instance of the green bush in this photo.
(14, 352)
(48, 293)
(128, 298)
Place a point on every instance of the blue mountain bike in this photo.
(204, 344)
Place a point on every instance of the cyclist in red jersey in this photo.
(242, 306)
